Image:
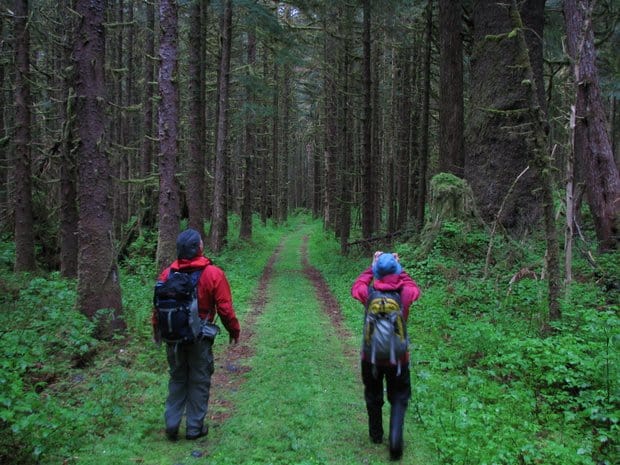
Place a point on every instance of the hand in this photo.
(156, 336)
(376, 256)
(396, 257)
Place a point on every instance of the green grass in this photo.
(487, 387)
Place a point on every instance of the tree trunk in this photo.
(331, 122)
(496, 152)
(219, 216)
(368, 207)
(168, 134)
(4, 140)
(245, 230)
(148, 199)
(403, 149)
(196, 168)
(421, 197)
(346, 195)
(451, 158)
(69, 215)
(149, 78)
(98, 278)
(542, 161)
(286, 136)
(591, 142)
(275, 155)
(24, 235)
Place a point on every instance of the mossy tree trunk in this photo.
(168, 133)
(542, 162)
(98, 278)
(495, 149)
(592, 143)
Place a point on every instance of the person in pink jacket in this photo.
(386, 274)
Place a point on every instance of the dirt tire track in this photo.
(328, 301)
(228, 375)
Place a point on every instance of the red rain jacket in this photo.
(213, 292)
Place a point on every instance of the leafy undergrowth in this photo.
(492, 385)
(62, 391)
(489, 385)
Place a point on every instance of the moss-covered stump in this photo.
(450, 199)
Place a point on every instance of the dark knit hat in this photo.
(188, 244)
(386, 264)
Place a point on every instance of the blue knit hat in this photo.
(386, 264)
(188, 244)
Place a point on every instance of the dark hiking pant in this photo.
(191, 367)
(398, 393)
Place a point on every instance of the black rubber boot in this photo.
(375, 424)
(397, 420)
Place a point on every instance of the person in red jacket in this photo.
(386, 274)
(191, 364)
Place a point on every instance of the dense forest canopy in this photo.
(196, 110)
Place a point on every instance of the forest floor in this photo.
(289, 392)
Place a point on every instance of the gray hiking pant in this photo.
(191, 367)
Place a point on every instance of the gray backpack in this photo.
(385, 329)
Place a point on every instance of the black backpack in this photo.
(176, 303)
(385, 329)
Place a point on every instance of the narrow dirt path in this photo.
(228, 375)
(229, 371)
(328, 301)
(294, 398)
(290, 392)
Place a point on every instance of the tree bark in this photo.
(245, 230)
(330, 135)
(421, 197)
(168, 133)
(451, 157)
(404, 138)
(542, 161)
(275, 145)
(98, 278)
(368, 206)
(149, 78)
(346, 195)
(496, 151)
(148, 198)
(591, 141)
(4, 152)
(24, 235)
(196, 168)
(69, 215)
(219, 217)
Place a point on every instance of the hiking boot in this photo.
(172, 434)
(203, 432)
(397, 420)
(375, 425)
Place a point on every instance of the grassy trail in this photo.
(293, 397)
(302, 400)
